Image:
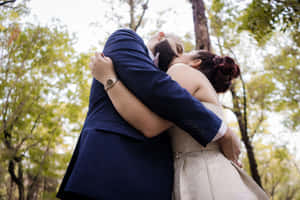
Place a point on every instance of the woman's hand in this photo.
(102, 68)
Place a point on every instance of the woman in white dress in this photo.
(200, 172)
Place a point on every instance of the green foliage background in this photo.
(45, 83)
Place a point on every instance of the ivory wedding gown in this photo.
(205, 174)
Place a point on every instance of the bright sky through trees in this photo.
(80, 15)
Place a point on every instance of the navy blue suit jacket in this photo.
(112, 160)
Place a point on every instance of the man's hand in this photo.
(230, 146)
(102, 68)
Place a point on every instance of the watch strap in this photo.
(110, 83)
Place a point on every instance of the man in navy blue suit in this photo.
(112, 160)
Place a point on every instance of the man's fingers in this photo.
(107, 59)
(102, 59)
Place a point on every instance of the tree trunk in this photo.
(33, 190)
(242, 121)
(132, 11)
(10, 190)
(134, 24)
(21, 192)
(200, 25)
(203, 42)
(17, 179)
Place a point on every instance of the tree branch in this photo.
(145, 7)
(14, 117)
(296, 166)
(11, 170)
(32, 145)
(220, 46)
(31, 132)
(5, 110)
(35, 123)
(131, 12)
(7, 139)
(260, 121)
(228, 108)
(6, 2)
(244, 96)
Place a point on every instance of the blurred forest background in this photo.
(45, 81)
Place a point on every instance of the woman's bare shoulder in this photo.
(194, 81)
(179, 68)
(188, 72)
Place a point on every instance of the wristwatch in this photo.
(110, 83)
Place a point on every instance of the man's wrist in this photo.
(104, 77)
(110, 82)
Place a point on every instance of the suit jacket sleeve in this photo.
(156, 89)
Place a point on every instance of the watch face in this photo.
(109, 82)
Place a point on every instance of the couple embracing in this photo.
(155, 128)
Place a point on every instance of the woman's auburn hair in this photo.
(219, 70)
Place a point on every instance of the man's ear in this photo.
(196, 63)
(161, 35)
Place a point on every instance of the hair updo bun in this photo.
(225, 71)
(220, 71)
